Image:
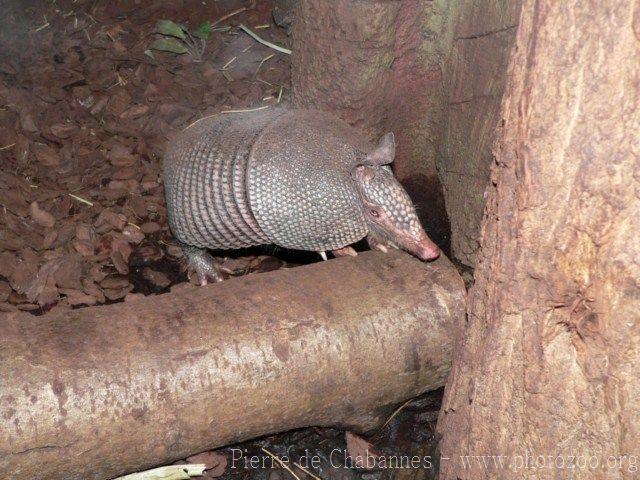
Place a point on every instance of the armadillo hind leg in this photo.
(200, 261)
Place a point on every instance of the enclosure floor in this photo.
(85, 113)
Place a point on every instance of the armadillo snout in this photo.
(425, 250)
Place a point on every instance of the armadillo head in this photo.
(389, 212)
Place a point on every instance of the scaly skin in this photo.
(390, 215)
(202, 263)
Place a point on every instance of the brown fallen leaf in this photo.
(114, 282)
(108, 220)
(132, 234)
(121, 156)
(99, 105)
(42, 287)
(90, 288)
(146, 254)
(84, 232)
(46, 155)
(158, 279)
(120, 253)
(113, 194)
(119, 102)
(5, 290)
(130, 185)
(96, 273)
(361, 452)
(84, 248)
(49, 239)
(14, 201)
(139, 206)
(63, 130)
(8, 264)
(69, 273)
(149, 185)
(23, 275)
(21, 148)
(77, 297)
(150, 227)
(267, 263)
(41, 217)
(28, 307)
(215, 463)
(125, 173)
(6, 307)
(16, 298)
(174, 251)
(117, 294)
(135, 111)
(27, 123)
(48, 294)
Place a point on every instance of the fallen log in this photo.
(102, 391)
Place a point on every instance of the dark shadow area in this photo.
(426, 193)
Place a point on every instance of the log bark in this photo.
(99, 392)
(484, 33)
(546, 381)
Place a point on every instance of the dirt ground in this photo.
(85, 113)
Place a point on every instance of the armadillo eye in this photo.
(374, 213)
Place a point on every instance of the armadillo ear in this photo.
(384, 153)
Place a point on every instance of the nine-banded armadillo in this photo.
(299, 179)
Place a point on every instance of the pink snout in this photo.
(428, 251)
(424, 249)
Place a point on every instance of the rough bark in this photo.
(550, 363)
(98, 392)
(484, 32)
(378, 65)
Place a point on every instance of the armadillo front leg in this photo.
(377, 243)
(344, 252)
(200, 261)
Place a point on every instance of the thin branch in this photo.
(280, 462)
(246, 110)
(229, 15)
(264, 42)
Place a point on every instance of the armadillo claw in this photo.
(344, 252)
(376, 244)
(203, 264)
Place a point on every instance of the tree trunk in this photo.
(546, 382)
(483, 37)
(379, 65)
(98, 392)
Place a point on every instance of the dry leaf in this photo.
(41, 217)
(361, 452)
(63, 130)
(150, 227)
(135, 111)
(46, 155)
(158, 279)
(215, 463)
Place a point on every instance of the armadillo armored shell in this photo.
(272, 176)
